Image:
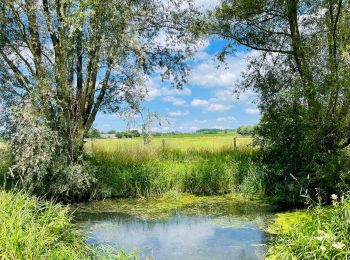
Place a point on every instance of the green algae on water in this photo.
(283, 223)
(165, 206)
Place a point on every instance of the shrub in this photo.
(39, 156)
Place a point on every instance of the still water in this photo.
(180, 235)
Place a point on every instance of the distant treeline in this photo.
(242, 130)
(95, 133)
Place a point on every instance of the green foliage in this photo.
(112, 132)
(300, 69)
(324, 235)
(94, 133)
(128, 134)
(39, 159)
(245, 130)
(82, 57)
(4, 162)
(212, 131)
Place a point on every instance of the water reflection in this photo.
(178, 237)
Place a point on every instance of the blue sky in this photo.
(207, 101)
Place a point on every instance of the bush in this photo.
(325, 235)
(40, 159)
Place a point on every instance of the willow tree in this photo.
(70, 59)
(300, 68)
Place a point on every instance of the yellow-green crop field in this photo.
(186, 143)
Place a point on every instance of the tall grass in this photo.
(324, 235)
(134, 169)
(33, 229)
(30, 229)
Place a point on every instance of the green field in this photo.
(186, 142)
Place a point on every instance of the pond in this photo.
(218, 227)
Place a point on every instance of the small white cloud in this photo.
(218, 107)
(154, 90)
(194, 128)
(199, 103)
(210, 106)
(178, 113)
(175, 101)
(228, 119)
(252, 111)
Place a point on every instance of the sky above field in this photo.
(207, 101)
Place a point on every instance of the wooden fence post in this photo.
(163, 144)
(234, 143)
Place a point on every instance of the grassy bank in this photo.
(30, 229)
(322, 233)
(137, 170)
(33, 229)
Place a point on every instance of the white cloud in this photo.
(178, 113)
(209, 72)
(175, 101)
(252, 111)
(194, 128)
(228, 119)
(154, 90)
(199, 102)
(218, 107)
(210, 106)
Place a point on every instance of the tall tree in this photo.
(63, 61)
(73, 58)
(300, 68)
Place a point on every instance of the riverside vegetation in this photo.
(128, 168)
(90, 56)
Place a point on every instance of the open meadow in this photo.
(185, 142)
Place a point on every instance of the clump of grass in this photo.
(324, 234)
(211, 176)
(33, 229)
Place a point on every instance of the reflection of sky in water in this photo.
(179, 237)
